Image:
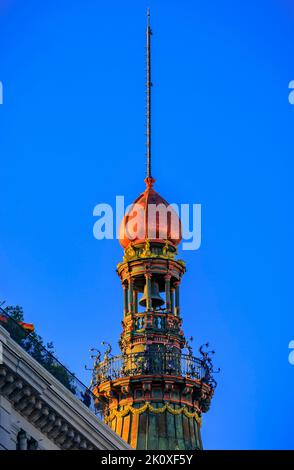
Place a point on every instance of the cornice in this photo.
(48, 405)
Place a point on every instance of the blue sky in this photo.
(72, 136)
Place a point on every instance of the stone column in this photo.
(167, 293)
(125, 299)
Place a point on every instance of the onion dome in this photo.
(150, 217)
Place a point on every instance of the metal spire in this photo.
(148, 96)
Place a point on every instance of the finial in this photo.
(149, 181)
(148, 95)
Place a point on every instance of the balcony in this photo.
(152, 363)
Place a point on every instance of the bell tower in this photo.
(154, 393)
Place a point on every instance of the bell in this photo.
(157, 301)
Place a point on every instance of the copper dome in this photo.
(150, 217)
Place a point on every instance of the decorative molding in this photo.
(148, 407)
(46, 404)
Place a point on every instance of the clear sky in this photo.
(72, 136)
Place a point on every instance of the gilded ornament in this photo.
(147, 406)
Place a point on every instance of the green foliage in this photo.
(34, 345)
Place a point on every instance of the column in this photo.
(177, 309)
(148, 284)
(167, 293)
(125, 299)
(135, 301)
(172, 300)
(131, 295)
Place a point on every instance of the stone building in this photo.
(38, 412)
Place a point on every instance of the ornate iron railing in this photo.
(150, 363)
(37, 350)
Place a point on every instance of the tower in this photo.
(153, 394)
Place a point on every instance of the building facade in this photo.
(37, 412)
